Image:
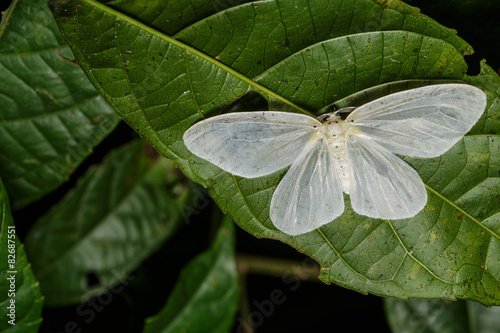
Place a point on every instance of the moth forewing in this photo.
(251, 144)
(421, 122)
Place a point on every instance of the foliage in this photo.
(163, 66)
(205, 297)
(117, 215)
(163, 83)
(51, 116)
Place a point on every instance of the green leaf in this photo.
(20, 297)
(427, 316)
(50, 115)
(117, 215)
(302, 57)
(205, 296)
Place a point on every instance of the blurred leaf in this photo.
(302, 58)
(117, 215)
(25, 290)
(206, 294)
(51, 116)
(428, 316)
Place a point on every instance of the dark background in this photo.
(312, 306)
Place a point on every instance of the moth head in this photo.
(327, 117)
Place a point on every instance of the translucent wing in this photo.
(382, 185)
(310, 194)
(251, 144)
(423, 122)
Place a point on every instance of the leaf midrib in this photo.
(455, 206)
(461, 210)
(34, 53)
(72, 108)
(189, 49)
(6, 17)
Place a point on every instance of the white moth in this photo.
(355, 156)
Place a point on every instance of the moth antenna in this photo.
(324, 117)
(348, 109)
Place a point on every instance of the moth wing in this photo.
(381, 184)
(310, 194)
(251, 144)
(423, 122)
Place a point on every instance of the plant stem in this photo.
(306, 270)
(244, 304)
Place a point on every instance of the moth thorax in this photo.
(337, 145)
(333, 127)
(334, 134)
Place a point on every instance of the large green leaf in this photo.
(117, 215)
(302, 56)
(427, 316)
(20, 297)
(50, 114)
(205, 297)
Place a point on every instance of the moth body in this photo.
(333, 131)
